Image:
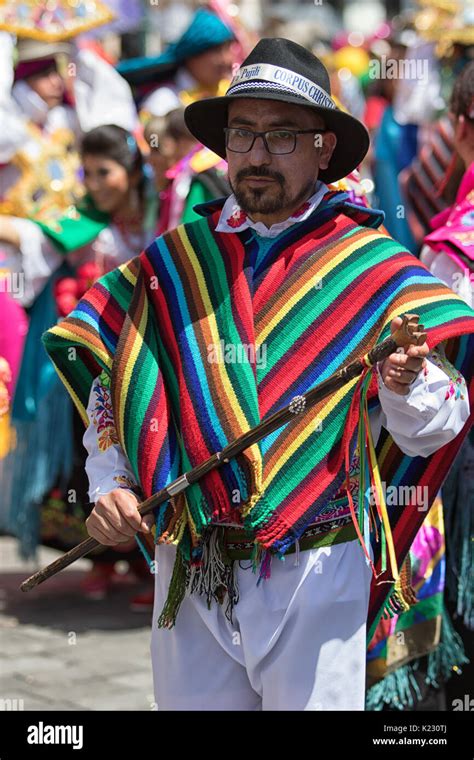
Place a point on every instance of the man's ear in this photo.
(327, 149)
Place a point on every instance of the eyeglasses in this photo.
(278, 141)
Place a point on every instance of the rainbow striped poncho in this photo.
(181, 330)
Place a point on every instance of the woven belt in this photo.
(239, 543)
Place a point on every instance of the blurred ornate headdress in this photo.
(52, 20)
(446, 22)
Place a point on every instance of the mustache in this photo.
(260, 171)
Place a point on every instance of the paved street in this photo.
(59, 651)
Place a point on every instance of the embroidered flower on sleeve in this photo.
(103, 418)
(107, 438)
(104, 379)
(456, 389)
(125, 482)
(457, 384)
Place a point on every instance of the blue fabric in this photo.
(394, 147)
(37, 376)
(42, 420)
(205, 31)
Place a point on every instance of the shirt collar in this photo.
(234, 219)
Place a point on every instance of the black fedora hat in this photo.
(279, 69)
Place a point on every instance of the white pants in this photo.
(298, 641)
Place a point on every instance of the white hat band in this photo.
(265, 75)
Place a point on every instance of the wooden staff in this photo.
(409, 333)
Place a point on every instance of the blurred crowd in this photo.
(96, 161)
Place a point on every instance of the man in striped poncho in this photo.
(214, 327)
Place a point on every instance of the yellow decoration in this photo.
(7, 436)
(48, 183)
(190, 96)
(445, 22)
(52, 20)
(203, 160)
(356, 59)
(6, 439)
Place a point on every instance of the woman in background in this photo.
(45, 485)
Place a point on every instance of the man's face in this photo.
(48, 85)
(270, 187)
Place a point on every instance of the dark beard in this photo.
(255, 200)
